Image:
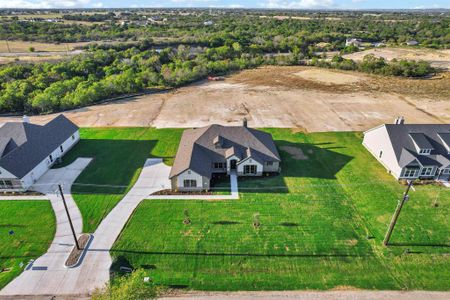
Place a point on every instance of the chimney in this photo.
(244, 122)
(401, 120)
(25, 119)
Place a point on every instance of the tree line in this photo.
(102, 74)
(378, 65)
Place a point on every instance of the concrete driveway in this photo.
(49, 276)
(50, 266)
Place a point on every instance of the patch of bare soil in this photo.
(437, 58)
(277, 97)
(295, 152)
(75, 255)
(329, 77)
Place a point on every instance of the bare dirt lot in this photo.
(437, 58)
(277, 97)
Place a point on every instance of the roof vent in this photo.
(244, 122)
(25, 119)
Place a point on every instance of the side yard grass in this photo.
(26, 231)
(119, 155)
(322, 225)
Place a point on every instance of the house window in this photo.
(446, 171)
(250, 169)
(381, 154)
(269, 163)
(426, 171)
(61, 148)
(6, 184)
(50, 157)
(190, 183)
(410, 173)
(219, 165)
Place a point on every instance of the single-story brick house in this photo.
(28, 150)
(217, 149)
(411, 151)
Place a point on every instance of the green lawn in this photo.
(119, 154)
(322, 225)
(33, 224)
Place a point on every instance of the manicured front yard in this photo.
(322, 225)
(26, 231)
(119, 154)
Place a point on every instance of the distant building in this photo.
(379, 45)
(208, 23)
(217, 149)
(412, 43)
(28, 150)
(353, 42)
(411, 151)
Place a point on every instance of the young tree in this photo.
(186, 220)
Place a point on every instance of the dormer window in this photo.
(445, 139)
(425, 151)
(217, 142)
(421, 143)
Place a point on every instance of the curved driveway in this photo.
(48, 275)
(50, 266)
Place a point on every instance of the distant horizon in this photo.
(229, 8)
(334, 5)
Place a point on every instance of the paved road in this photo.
(50, 267)
(49, 276)
(314, 295)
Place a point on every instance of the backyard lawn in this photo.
(322, 222)
(26, 231)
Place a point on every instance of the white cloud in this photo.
(298, 4)
(49, 3)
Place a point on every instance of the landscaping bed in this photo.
(75, 255)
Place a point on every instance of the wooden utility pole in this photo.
(7, 46)
(68, 216)
(396, 214)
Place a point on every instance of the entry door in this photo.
(233, 164)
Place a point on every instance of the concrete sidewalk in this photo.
(18, 198)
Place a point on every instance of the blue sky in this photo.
(301, 4)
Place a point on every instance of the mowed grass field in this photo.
(119, 155)
(33, 224)
(322, 225)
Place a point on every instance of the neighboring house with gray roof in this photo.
(411, 151)
(217, 149)
(28, 150)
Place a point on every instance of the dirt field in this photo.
(437, 58)
(277, 97)
(21, 46)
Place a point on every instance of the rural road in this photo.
(49, 276)
(313, 295)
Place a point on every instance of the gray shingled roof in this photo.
(23, 145)
(427, 136)
(197, 150)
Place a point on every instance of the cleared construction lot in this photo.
(309, 99)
